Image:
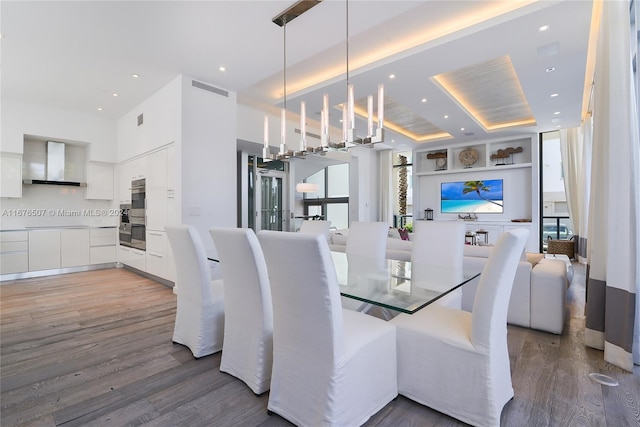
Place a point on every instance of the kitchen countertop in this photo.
(54, 227)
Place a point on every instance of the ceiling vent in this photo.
(309, 134)
(210, 88)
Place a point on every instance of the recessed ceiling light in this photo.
(222, 69)
(446, 117)
(99, 108)
(135, 76)
(114, 94)
(556, 113)
(550, 69)
(553, 95)
(558, 126)
(424, 99)
(461, 128)
(542, 28)
(392, 76)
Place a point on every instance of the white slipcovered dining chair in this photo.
(199, 321)
(457, 362)
(440, 243)
(365, 239)
(316, 227)
(247, 352)
(331, 367)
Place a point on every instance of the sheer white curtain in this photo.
(571, 146)
(575, 149)
(614, 276)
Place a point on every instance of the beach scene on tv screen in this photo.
(472, 196)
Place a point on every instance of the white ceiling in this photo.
(76, 54)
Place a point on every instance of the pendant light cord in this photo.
(284, 56)
(347, 38)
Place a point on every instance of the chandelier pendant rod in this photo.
(284, 153)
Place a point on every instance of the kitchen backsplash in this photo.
(51, 205)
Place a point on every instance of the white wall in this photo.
(56, 205)
(161, 123)
(364, 185)
(209, 164)
(203, 126)
(19, 119)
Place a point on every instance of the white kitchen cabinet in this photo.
(44, 249)
(124, 182)
(11, 175)
(102, 245)
(138, 168)
(157, 253)
(132, 257)
(74, 247)
(14, 252)
(173, 208)
(102, 254)
(100, 181)
(156, 190)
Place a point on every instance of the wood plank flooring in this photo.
(94, 349)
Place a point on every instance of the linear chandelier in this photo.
(349, 136)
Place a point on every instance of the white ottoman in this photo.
(567, 262)
(549, 295)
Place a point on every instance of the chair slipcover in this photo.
(440, 243)
(247, 352)
(367, 239)
(316, 227)
(331, 367)
(458, 362)
(199, 321)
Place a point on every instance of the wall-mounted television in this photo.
(480, 197)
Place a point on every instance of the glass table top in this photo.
(399, 285)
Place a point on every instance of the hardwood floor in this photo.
(95, 348)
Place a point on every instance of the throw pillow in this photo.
(404, 233)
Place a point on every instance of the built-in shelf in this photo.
(486, 168)
(474, 157)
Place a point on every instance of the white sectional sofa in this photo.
(539, 293)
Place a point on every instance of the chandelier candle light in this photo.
(349, 137)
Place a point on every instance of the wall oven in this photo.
(133, 218)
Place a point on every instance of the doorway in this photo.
(270, 200)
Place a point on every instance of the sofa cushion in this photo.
(477, 251)
(533, 259)
(339, 237)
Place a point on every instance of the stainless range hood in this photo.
(55, 167)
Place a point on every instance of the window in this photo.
(555, 210)
(331, 202)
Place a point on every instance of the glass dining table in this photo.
(398, 285)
